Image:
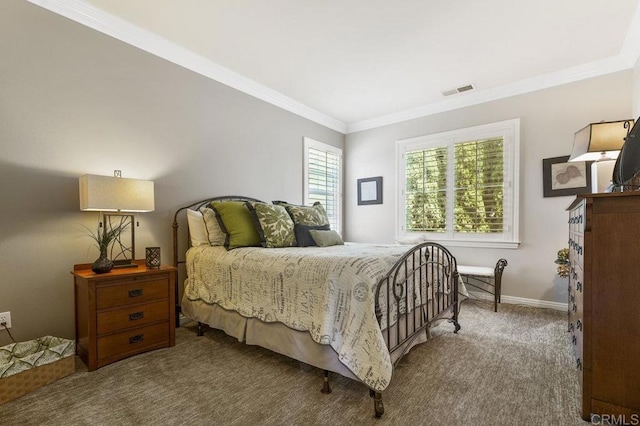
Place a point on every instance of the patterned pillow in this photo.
(311, 216)
(274, 225)
(215, 234)
(236, 222)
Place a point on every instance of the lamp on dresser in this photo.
(118, 196)
(600, 143)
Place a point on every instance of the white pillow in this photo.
(197, 229)
(212, 227)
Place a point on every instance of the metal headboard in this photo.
(180, 214)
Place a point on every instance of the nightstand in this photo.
(123, 312)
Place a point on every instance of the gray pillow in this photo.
(303, 236)
(326, 238)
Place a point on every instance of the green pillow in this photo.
(236, 222)
(310, 216)
(326, 238)
(274, 225)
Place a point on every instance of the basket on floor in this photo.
(27, 366)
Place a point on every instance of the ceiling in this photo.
(359, 64)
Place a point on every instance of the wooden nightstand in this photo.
(123, 313)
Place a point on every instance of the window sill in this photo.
(512, 245)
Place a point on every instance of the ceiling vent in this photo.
(458, 90)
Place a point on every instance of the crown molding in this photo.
(99, 20)
(544, 81)
(108, 24)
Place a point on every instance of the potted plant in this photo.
(103, 239)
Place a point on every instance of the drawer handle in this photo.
(579, 364)
(137, 338)
(579, 286)
(135, 293)
(136, 316)
(579, 325)
(571, 327)
(573, 340)
(575, 308)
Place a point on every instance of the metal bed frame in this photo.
(424, 278)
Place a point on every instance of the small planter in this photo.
(27, 366)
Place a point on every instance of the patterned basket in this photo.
(27, 366)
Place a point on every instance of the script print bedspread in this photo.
(326, 291)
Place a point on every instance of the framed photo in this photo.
(370, 191)
(560, 177)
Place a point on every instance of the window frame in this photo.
(321, 146)
(509, 130)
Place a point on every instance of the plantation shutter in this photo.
(426, 190)
(324, 182)
(479, 186)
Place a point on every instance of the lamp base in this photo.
(601, 175)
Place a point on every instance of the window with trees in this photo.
(323, 179)
(461, 186)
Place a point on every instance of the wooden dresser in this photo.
(604, 303)
(122, 313)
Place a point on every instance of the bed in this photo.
(352, 309)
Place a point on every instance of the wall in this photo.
(549, 119)
(74, 101)
(636, 90)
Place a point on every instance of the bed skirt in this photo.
(275, 336)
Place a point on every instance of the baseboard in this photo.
(512, 300)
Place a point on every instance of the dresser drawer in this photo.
(132, 316)
(130, 292)
(124, 344)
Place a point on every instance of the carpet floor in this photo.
(512, 367)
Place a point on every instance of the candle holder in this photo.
(153, 257)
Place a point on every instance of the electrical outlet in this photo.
(5, 317)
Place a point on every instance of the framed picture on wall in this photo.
(561, 177)
(370, 191)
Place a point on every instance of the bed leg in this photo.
(378, 405)
(200, 329)
(325, 387)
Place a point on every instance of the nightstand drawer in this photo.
(132, 316)
(130, 292)
(134, 341)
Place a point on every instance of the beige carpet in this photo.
(507, 368)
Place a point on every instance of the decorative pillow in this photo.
(312, 216)
(274, 225)
(326, 238)
(197, 230)
(236, 222)
(303, 235)
(215, 234)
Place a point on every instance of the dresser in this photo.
(123, 312)
(604, 302)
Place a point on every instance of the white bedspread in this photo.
(326, 291)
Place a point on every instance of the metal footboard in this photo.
(421, 287)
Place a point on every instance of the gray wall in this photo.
(549, 119)
(74, 101)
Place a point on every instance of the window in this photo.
(323, 179)
(461, 187)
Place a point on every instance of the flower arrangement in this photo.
(563, 262)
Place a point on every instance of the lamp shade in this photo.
(600, 140)
(112, 194)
